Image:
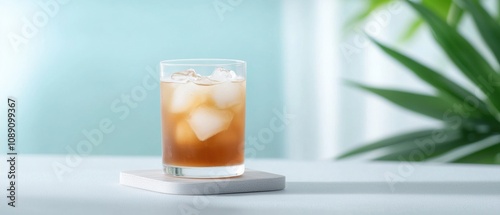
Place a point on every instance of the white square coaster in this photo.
(157, 181)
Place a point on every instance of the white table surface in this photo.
(312, 187)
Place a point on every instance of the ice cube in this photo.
(185, 96)
(207, 122)
(184, 134)
(185, 76)
(238, 79)
(227, 94)
(202, 80)
(222, 75)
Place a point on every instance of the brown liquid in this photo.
(198, 131)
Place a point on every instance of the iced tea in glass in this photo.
(203, 117)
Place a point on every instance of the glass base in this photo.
(204, 172)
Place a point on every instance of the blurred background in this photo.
(69, 62)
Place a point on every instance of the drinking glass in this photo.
(203, 117)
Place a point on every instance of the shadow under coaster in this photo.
(157, 181)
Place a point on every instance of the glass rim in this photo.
(202, 62)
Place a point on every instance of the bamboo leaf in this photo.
(423, 149)
(439, 7)
(498, 12)
(454, 15)
(372, 6)
(432, 106)
(387, 142)
(411, 30)
(463, 54)
(486, 24)
(488, 155)
(436, 80)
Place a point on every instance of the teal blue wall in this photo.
(92, 52)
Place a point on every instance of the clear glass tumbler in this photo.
(203, 117)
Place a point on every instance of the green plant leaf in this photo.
(486, 24)
(463, 54)
(439, 7)
(411, 30)
(372, 6)
(423, 149)
(436, 80)
(387, 142)
(443, 8)
(488, 155)
(432, 106)
(454, 15)
(498, 12)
